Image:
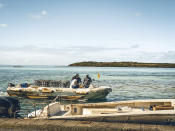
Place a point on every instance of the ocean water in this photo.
(126, 83)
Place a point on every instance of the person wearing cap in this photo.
(87, 81)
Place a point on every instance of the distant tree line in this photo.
(123, 64)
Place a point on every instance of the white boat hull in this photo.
(131, 111)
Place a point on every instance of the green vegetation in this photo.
(123, 64)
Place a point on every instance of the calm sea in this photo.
(126, 83)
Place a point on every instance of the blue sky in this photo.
(60, 32)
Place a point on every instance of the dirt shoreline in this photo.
(7, 124)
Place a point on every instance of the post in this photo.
(48, 112)
(35, 108)
(60, 97)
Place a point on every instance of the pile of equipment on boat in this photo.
(52, 83)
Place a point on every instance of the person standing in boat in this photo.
(76, 81)
(87, 81)
(74, 84)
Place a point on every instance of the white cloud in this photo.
(44, 12)
(134, 46)
(38, 15)
(137, 14)
(1, 5)
(38, 55)
(3, 25)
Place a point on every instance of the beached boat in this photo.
(160, 111)
(36, 92)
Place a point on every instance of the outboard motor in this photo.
(9, 106)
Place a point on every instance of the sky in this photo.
(61, 32)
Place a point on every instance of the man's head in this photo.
(77, 75)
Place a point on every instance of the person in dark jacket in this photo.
(87, 81)
(78, 80)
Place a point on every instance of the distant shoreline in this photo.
(123, 64)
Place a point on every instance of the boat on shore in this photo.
(37, 92)
(157, 111)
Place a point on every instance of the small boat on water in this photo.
(160, 111)
(37, 92)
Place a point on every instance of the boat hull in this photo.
(130, 118)
(135, 111)
(60, 93)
